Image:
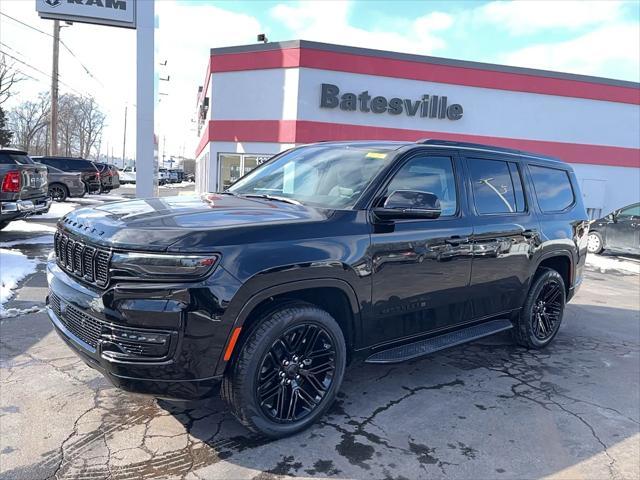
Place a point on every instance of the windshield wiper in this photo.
(272, 197)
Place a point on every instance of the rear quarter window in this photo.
(14, 159)
(552, 187)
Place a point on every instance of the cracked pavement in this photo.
(484, 410)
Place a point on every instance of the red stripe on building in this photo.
(302, 131)
(428, 72)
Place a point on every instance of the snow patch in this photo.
(604, 264)
(59, 209)
(44, 239)
(14, 266)
(28, 227)
(16, 312)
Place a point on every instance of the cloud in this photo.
(612, 48)
(529, 16)
(329, 22)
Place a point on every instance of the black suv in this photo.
(90, 173)
(327, 253)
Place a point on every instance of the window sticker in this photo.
(375, 155)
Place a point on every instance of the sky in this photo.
(600, 38)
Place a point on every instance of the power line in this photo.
(85, 68)
(44, 73)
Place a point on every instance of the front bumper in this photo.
(23, 208)
(123, 331)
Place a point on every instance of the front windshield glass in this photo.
(320, 175)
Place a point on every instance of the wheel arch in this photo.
(562, 262)
(334, 295)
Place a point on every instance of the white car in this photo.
(128, 175)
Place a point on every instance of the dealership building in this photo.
(257, 100)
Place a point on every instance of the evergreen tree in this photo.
(5, 133)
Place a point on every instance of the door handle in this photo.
(456, 240)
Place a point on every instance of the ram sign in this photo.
(116, 13)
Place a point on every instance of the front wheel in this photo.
(594, 243)
(288, 371)
(540, 318)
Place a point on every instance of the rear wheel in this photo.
(288, 371)
(540, 318)
(58, 192)
(594, 243)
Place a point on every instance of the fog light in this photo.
(124, 344)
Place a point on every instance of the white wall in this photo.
(621, 185)
(255, 95)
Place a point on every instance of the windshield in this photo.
(320, 175)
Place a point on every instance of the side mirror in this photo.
(409, 204)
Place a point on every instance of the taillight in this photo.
(12, 181)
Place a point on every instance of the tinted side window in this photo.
(632, 211)
(14, 159)
(553, 188)
(428, 174)
(497, 187)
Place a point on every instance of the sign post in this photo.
(146, 178)
(140, 15)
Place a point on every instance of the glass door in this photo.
(229, 169)
(235, 165)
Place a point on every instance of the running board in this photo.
(434, 344)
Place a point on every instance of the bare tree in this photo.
(9, 77)
(91, 123)
(28, 121)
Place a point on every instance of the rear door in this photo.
(505, 233)
(624, 233)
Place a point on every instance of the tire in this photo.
(259, 368)
(594, 243)
(58, 192)
(538, 323)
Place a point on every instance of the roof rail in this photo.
(453, 143)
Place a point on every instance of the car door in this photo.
(624, 232)
(505, 234)
(421, 268)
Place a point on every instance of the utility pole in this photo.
(124, 140)
(53, 125)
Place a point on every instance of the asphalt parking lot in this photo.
(481, 411)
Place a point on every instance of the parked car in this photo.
(128, 175)
(173, 176)
(23, 186)
(618, 232)
(90, 174)
(164, 176)
(190, 177)
(325, 254)
(64, 184)
(109, 177)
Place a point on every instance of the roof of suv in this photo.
(13, 151)
(432, 142)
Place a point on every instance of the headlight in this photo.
(158, 266)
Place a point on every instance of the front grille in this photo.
(83, 326)
(83, 261)
(117, 341)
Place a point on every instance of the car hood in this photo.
(158, 223)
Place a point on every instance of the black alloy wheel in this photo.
(296, 373)
(58, 192)
(286, 370)
(547, 310)
(541, 315)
